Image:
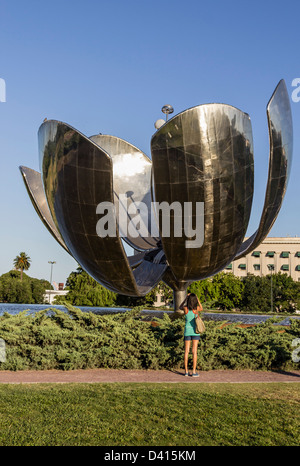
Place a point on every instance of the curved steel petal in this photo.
(132, 184)
(34, 186)
(77, 176)
(281, 149)
(204, 154)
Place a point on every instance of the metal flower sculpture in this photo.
(202, 157)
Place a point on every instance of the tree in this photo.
(29, 290)
(286, 292)
(85, 291)
(229, 289)
(256, 294)
(206, 290)
(22, 262)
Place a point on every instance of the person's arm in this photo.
(183, 305)
(199, 308)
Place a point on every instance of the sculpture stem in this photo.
(179, 296)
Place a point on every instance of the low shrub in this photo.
(54, 339)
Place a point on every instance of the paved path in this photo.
(151, 376)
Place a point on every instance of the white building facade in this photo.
(273, 254)
(51, 294)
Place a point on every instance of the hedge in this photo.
(54, 339)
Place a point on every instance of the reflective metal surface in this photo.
(131, 177)
(205, 154)
(167, 110)
(34, 186)
(202, 155)
(281, 149)
(78, 175)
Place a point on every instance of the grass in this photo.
(150, 414)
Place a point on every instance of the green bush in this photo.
(28, 290)
(53, 339)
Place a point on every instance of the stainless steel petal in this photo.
(132, 185)
(136, 259)
(77, 176)
(35, 189)
(205, 154)
(281, 149)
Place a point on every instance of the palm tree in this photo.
(22, 262)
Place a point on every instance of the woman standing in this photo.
(191, 307)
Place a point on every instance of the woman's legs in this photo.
(187, 344)
(194, 352)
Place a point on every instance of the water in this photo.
(247, 318)
(14, 309)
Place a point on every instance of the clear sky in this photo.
(109, 67)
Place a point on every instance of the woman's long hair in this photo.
(192, 302)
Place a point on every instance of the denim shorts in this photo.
(193, 337)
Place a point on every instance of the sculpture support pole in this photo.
(179, 288)
(179, 296)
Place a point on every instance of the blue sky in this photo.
(109, 67)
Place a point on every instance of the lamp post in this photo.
(52, 263)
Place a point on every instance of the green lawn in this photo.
(149, 414)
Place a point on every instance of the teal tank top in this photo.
(189, 329)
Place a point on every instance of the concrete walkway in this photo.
(148, 376)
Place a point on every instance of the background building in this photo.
(276, 254)
(58, 291)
